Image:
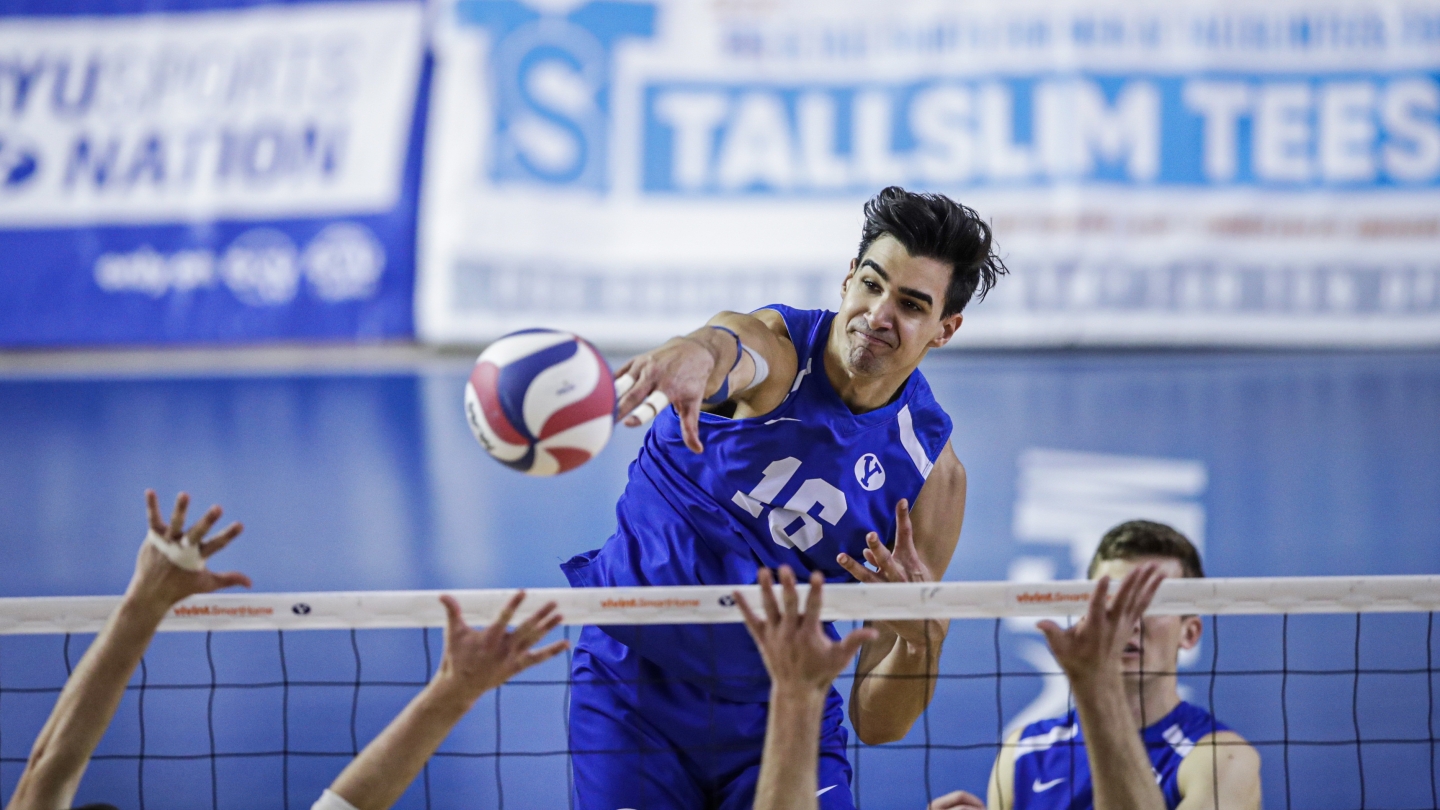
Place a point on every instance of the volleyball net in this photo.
(259, 700)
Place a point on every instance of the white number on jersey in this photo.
(813, 492)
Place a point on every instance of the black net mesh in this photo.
(1340, 707)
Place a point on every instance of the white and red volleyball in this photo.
(541, 401)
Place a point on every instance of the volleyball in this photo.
(541, 401)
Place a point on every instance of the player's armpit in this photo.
(764, 333)
(1222, 762)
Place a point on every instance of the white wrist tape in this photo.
(762, 368)
(647, 409)
(182, 553)
(330, 800)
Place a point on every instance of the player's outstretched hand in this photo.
(796, 650)
(957, 800)
(677, 373)
(159, 580)
(1095, 644)
(901, 564)
(476, 661)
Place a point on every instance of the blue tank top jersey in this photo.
(1053, 773)
(795, 486)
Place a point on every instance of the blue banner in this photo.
(219, 172)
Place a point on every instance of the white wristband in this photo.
(183, 553)
(330, 800)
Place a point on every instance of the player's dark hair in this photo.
(1146, 538)
(936, 227)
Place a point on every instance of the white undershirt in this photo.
(330, 800)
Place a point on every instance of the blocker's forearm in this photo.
(376, 778)
(892, 694)
(792, 750)
(1123, 777)
(85, 707)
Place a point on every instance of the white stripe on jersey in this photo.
(1177, 739)
(912, 444)
(1042, 742)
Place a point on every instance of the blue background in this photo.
(1318, 463)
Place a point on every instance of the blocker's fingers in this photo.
(752, 622)
(767, 596)
(229, 579)
(454, 621)
(221, 540)
(536, 625)
(544, 654)
(1096, 609)
(508, 612)
(526, 638)
(814, 599)
(881, 558)
(203, 525)
(856, 639)
(788, 592)
(1051, 630)
(177, 519)
(152, 512)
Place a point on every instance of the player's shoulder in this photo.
(1222, 760)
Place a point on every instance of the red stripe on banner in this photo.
(599, 402)
(485, 379)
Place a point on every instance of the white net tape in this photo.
(714, 604)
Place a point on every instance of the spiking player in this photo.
(1130, 741)
(797, 437)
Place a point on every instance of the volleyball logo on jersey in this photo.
(792, 525)
(551, 77)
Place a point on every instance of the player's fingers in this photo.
(856, 570)
(630, 389)
(814, 599)
(882, 559)
(507, 613)
(789, 596)
(752, 622)
(177, 518)
(653, 404)
(1096, 610)
(152, 512)
(856, 639)
(534, 628)
(904, 535)
(767, 596)
(543, 654)
(221, 540)
(454, 621)
(204, 524)
(1051, 630)
(229, 579)
(689, 413)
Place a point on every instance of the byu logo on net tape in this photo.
(552, 77)
(869, 472)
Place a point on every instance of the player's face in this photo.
(1160, 637)
(891, 309)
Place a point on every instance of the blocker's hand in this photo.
(1096, 643)
(902, 564)
(796, 650)
(680, 370)
(160, 583)
(476, 661)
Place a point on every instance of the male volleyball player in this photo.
(1130, 742)
(799, 438)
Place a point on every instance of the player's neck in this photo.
(1152, 701)
(861, 394)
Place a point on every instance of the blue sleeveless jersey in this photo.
(795, 486)
(1053, 773)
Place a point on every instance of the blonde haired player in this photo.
(1130, 742)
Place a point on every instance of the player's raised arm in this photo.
(896, 675)
(169, 567)
(734, 357)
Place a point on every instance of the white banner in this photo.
(1219, 173)
(263, 112)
